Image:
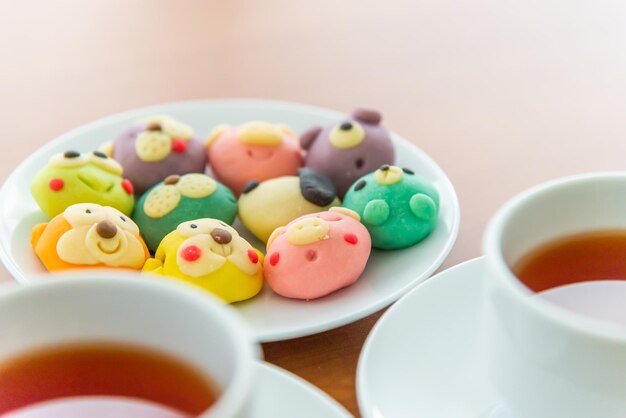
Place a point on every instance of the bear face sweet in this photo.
(398, 207)
(182, 198)
(89, 235)
(307, 258)
(265, 206)
(211, 255)
(348, 149)
(253, 151)
(72, 177)
(156, 148)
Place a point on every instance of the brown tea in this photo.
(103, 369)
(590, 256)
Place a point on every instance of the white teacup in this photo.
(155, 313)
(547, 361)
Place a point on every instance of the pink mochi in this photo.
(235, 161)
(317, 254)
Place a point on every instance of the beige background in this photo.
(503, 93)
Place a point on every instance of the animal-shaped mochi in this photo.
(155, 148)
(265, 206)
(398, 207)
(211, 255)
(317, 254)
(182, 198)
(71, 177)
(89, 235)
(253, 151)
(348, 149)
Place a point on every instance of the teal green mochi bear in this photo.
(398, 207)
(179, 199)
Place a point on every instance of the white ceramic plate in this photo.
(423, 359)
(388, 275)
(280, 394)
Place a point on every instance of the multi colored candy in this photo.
(89, 235)
(398, 207)
(72, 177)
(348, 149)
(317, 254)
(253, 151)
(155, 148)
(265, 206)
(182, 198)
(314, 245)
(211, 255)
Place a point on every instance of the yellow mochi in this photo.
(275, 203)
(232, 277)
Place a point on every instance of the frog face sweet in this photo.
(89, 235)
(72, 177)
(265, 206)
(253, 151)
(348, 149)
(211, 255)
(182, 198)
(398, 207)
(306, 259)
(156, 148)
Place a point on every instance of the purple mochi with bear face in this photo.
(155, 148)
(349, 149)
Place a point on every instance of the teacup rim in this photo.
(245, 346)
(496, 262)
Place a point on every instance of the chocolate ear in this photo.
(316, 187)
(309, 136)
(370, 116)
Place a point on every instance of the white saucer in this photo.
(388, 276)
(280, 394)
(423, 357)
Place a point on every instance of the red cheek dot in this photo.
(179, 145)
(351, 239)
(56, 184)
(274, 259)
(253, 256)
(191, 253)
(128, 186)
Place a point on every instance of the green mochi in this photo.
(397, 215)
(221, 205)
(84, 183)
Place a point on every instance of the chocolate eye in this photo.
(360, 184)
(359, 163)
(346, 126)
(87, 210)
(384, 167)
(408, 171)
(100, 154)
(123, 219)
(71, 154)
(193, 226)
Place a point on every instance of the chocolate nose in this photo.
(106, 229)
(221, 236)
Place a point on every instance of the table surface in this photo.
(502, 94)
